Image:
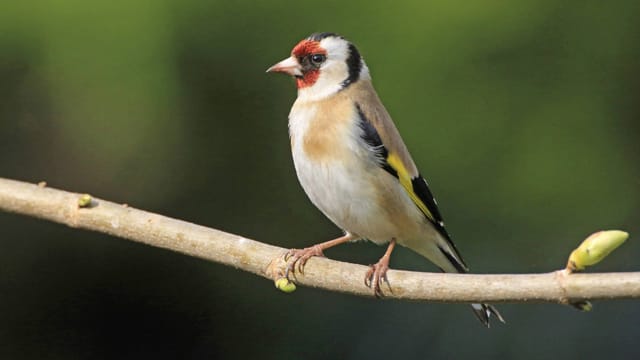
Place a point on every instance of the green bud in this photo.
(285, 285)
(84, 201)
(595, 248)
(582, 305)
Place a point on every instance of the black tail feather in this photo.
(484, 311)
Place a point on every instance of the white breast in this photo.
(348, 186)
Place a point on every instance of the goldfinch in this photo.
(354, 166)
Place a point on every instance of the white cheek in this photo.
(332, 74)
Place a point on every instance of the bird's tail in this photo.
(449, 260)
(484, 311)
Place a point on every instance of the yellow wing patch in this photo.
(405, 180)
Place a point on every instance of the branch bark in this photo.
(267, 260)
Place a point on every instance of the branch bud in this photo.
(595, 248)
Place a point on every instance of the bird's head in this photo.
(323, 64)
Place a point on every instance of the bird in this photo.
(355, 168)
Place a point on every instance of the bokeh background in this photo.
(523, 116)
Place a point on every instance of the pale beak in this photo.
(289, 66)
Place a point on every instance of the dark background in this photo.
(522, 116)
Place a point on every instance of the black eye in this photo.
(317, 59)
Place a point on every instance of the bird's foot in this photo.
(376, 274)
(297, 258)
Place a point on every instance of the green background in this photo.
(523, 116)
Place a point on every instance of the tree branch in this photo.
(267, 260)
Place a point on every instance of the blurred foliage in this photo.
(523, 116)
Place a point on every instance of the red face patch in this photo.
(302, 51)
(308, 79)
(307, 47)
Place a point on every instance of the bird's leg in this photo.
(299, 257)
(378, 271)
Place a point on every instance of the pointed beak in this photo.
(289, 66)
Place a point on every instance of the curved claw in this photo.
(301, 256)
(376, 273)
(298, 258)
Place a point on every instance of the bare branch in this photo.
(267, 260)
